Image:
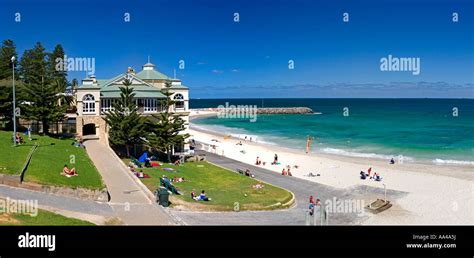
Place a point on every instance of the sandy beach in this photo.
(436, 194)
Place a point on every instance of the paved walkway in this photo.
(55, 202)
(293, 216)
(127, 198)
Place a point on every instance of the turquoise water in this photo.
(417, 129)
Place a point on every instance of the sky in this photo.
(250, 58)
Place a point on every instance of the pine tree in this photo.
(7, 51)
(43, 88)
(53, 69)
(34, 65)
(41, 103)
(165, 127)
(126, 126)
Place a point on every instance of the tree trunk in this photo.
(169, 153)
(128, 150)
(45, 127)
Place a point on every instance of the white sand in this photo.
(437, 194)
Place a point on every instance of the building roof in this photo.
(151, 75)
(179, 87)
(142, 88)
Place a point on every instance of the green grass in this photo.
(43, 218)
(48, 161)
(224, 187)
(12, 159)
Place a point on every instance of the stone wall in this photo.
(100, 126)
(80, 193)
(11, 180)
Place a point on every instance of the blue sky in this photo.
(250, 58)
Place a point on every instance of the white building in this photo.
(94, 97)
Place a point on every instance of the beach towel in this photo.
(155, 164)
(142, 175)
(143, 157)
(168, 169)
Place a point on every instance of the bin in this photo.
(162, 197)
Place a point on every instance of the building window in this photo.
(106, 105)
(150, 105)
(179, 101)
(88, 104)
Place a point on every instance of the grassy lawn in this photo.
(12, 158)
(43, 218)
(224, 187)
(48, 161)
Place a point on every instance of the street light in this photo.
(385, 193)
(14, 101)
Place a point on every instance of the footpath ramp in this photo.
(128, 199)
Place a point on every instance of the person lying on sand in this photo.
(68, 172)
(377, 177)
(239, 143)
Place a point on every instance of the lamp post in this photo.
(14, 101)
(385, 193)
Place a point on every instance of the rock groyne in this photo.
(284, 110)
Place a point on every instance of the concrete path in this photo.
(128, 198)
(293, 216)
(78, 208)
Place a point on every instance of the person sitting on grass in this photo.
(202, 197)
(194, 196)
(177, 162)
(69, 172)
(18, 138)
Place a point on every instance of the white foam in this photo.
(452, 161)
(364, 155)
(238, 133)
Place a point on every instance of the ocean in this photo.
(438, 131)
